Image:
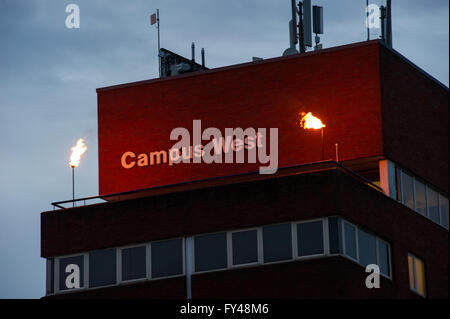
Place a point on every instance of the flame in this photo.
(77, 151)
(309, 121)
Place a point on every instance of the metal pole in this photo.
(159, 44)
(300, 28)
(367, 20)
(337, 152)
(323, 148)
(73, 186)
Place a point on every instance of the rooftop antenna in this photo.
(203, 57)
(293, 35)
(307, 22)
(154, 19)
(388, 23)
(367, 20)
(317, 25)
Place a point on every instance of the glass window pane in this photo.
(134, 263)
(420, 276)
(50, 275)
(334, 230)
(408, 190)
(398, 173)
(310, 238)
(167, 258)
(277, 242)
(384, 257)
(443, 203)
(367, 248)
(245, 247)
(433, 205)
(210, 251)
(412, 283)
(350, 240)
(71, 272)
(102, 268)
(421, 199)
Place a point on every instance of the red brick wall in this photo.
(339, 85)
(415, 120)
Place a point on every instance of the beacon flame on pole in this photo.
(309, 121)
(77, 151)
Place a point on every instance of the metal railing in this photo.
(283, 171)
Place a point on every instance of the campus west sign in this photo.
(235, 146)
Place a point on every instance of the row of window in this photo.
(217, 251)
(422, 198)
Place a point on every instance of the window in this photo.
(416, 274)
(277, 242)
(335, 235)
(383, 258)
(350, 240)
(167, 258)
(71, 272)
(245, 247)
(443, 204)
(102, 268)
(310, 238)
(210, 251)
(134, 263)
(398, 182)
(367, 248)
(408, 190)
(433, 205)
(421, 198)
(50, 275)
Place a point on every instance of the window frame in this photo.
(414, 289)
(230, 247)
(183, 259)
(293, 242)
(325, 243)
(194, 270)
(119, 258)
(118, 268)
(56, 289)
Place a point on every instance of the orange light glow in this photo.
(309, 121)
(77, 151)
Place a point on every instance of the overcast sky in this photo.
(48, 77)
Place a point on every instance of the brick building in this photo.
(374, 190)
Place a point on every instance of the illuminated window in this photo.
(416, 269)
